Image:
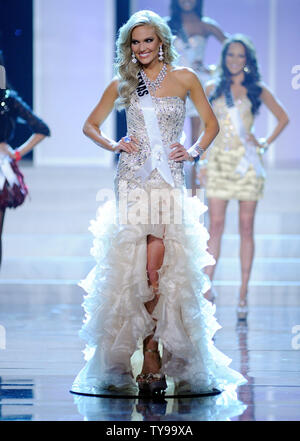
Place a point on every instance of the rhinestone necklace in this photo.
(156, 84)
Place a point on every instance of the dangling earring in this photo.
(134, 60)
(161, 53)
(246, 69)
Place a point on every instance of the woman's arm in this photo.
(210, 122)
(20, 109)
(278, 111)
(92, 125)
(209, 87)
(212, 28)
(25, 148)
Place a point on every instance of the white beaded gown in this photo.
(116, 321)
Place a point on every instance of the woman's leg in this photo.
(155, 257)
(246, 226)
(2, 214)
(217, 211)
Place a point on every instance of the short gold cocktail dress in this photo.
(223, 181)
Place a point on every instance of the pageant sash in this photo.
(250, 156)
(6, 172)
(158, 158)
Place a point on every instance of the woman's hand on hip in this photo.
(128, 144)
(179, 153)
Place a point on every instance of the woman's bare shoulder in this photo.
(114, 84)
(112, 89)
(184, 73)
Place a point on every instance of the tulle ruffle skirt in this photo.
(116, 320)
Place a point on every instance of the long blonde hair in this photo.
(125, 69)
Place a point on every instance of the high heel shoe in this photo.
(242, 310)
(156, 383)
(142, 382)
(153, 383)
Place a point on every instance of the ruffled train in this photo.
(117, 322)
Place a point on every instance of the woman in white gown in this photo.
(147, 286)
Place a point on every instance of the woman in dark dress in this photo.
(12, 187)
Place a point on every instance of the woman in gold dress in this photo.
(234, 167)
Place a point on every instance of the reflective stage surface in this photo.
(43, 355)
(47, 253)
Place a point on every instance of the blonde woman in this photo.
(148, 284)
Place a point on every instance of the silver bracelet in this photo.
(196, 151)
(200, 150)
(264, 145)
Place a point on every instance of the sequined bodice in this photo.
(228, 137)
(170, 113)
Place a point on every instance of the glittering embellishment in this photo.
(226, 153)
(156, 84)
(170, 115)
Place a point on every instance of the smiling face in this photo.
(235, 59)
(145, 44)
(187, 5)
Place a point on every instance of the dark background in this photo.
(16, 42)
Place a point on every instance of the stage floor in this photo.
(43, 355)
(46, 252)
